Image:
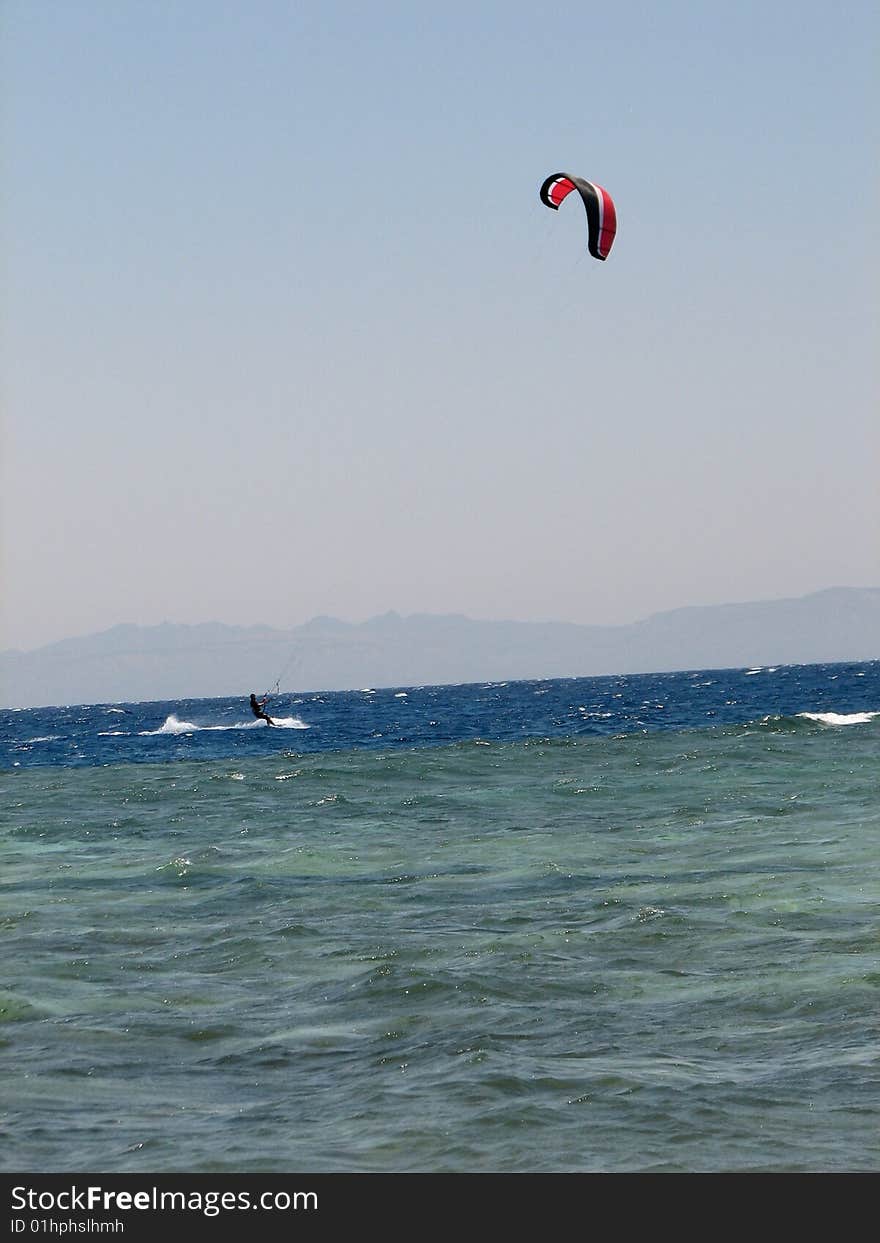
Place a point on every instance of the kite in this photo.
(601, 216)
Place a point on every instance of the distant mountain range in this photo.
(131, 663)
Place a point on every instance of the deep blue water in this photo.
(154, 732)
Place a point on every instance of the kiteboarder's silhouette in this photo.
(257, 706)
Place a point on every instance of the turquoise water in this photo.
(655, 950)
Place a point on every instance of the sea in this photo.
(586, 925)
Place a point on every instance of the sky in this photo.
(286, 331)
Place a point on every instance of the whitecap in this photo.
(840, 718)
(174, 727)
(171, 726)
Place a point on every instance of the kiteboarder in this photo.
(257, 706)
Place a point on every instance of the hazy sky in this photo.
(287, 330)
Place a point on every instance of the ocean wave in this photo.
(800, 722)
(840, 718)
(174, 726)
